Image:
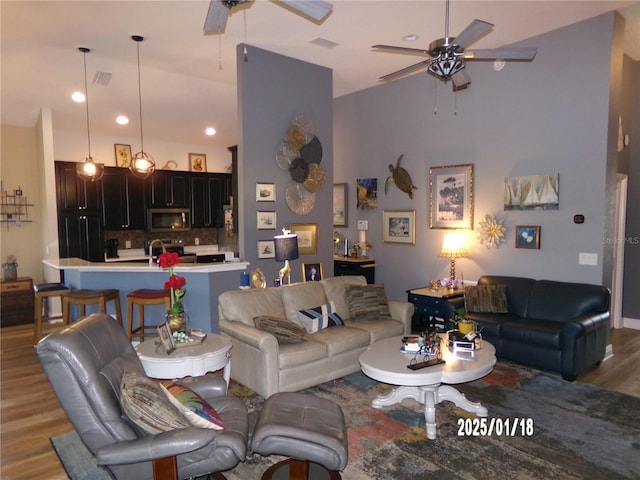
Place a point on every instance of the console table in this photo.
(434, 307)
(364, 266)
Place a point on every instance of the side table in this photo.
(213, 354)
(434, 307)
(16, 301)
(364, 266)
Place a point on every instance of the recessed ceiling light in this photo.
(412, 37)
(78, 97)
(210, 131)
(122, 120)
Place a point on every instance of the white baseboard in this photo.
(631, 323)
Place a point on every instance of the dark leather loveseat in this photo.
(551, 325)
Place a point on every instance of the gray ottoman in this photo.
(304, 428)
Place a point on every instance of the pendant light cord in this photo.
(138, 40)
(86, 98)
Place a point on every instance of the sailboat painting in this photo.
(533, 192)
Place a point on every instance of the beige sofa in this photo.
(267, 367)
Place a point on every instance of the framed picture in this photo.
(123, 155)
(197, 162)
(528, 236)
(340, 204)
(533, 192)
(266, 249)
(266, 220)
(367, 191)
(166, 338)
(451, 196)
(399, 226)
(307, 237)
(265, 192)
(312, 272)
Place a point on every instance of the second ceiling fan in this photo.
(448, 55)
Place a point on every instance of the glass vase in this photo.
(9, 271)
(178, 321)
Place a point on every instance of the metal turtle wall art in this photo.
(401, 178)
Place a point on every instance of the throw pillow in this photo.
(367, 302)
(486, 299)
(284, 330)
(318, 318)
(146, 405)
(192, 405)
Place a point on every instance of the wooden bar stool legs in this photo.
(141, 298)
(43, 318)
(83, 297)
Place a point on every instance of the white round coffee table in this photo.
(384, 362)
(213, 354)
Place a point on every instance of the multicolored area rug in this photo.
(542, 428)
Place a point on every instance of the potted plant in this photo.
(463, 325)
(10, 268)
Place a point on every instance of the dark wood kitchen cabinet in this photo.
(168, 189)
(80, 224)
(209, 193)
(123, 200)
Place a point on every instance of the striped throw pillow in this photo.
(318, 318)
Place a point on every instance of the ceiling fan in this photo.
(449, 54)
(219, 11)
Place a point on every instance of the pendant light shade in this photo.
(86, 169)
(142, 164)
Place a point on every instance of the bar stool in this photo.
(141, 298)
(43, 292)
(84, 297)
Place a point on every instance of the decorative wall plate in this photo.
(295, 137)
(312, 151)
(257, 278)
(315, 180)
(285, 155)
(307, 127)
(299, 199)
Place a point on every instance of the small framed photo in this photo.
(399, 226)
(451, 196)
(265, 192)
(266, 249)
(123, 155)
(340, 204)
(528, 236)
(197, 162)
(307, 237)
(166, 338)
(312, 272)
(266, 220)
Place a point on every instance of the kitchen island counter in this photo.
(205, 282)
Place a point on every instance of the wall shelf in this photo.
(14, 208)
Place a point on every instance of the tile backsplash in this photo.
(206, 236)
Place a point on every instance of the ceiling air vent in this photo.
(102, 78)
(323, 42)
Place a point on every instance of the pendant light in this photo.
(86, 169)
(142, 164)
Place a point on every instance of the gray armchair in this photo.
(85, 363)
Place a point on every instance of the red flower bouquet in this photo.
(175, 284)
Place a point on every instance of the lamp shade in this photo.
(286, 247)
(453, 246)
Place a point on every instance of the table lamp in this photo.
(286, 249)
(453, 247)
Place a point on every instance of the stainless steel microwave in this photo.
(168, 219)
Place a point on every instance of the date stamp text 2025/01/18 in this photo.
(486, 427)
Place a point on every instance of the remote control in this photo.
(428, 363)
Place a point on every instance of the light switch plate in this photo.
(588, 259)
(363, 224)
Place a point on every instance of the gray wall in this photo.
(548, 116)
(272, 91)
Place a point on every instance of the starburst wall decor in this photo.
(491, 231)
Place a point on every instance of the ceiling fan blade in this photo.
(402, 49)
(316, 9)
(217, 14)
(505, 53)
(405, 70)
(472, 33)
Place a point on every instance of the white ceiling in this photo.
(189, 77)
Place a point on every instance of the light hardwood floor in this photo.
(30, 413)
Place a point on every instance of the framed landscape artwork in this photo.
(399, 226)
(266, 220)
(266, 249)
(340, 204)
(265, 192)
(451, 196)
(307, 237)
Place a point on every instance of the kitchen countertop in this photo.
(123, 266)
(138, 253)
